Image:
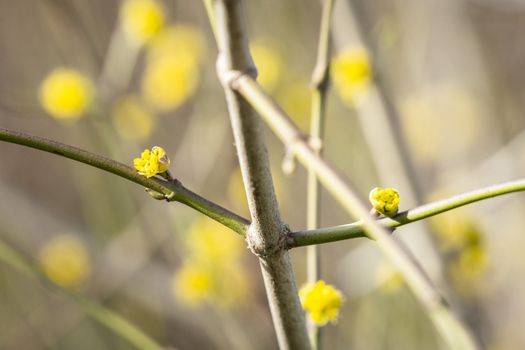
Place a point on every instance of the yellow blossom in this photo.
(210, 241)
(384, 200)
(321, 301)
(268, 63)
(220, 283)
(152, 162)
(169, 81)
(351, 73)
(193, 283)
(65, 260)
(472, 262)
(466, 270)
(181, 39)
(131, 120)
(66, 93)
(141, 19)
(456, 230)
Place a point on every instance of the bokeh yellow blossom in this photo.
(213, 242)
(169, 81)
(181, 39)
(131, 119)
(213, 271)
(141, 19)
(384, 200)
(321, 302)
(65, 260)
(388, 278)
(467, 269)
(193, 283)
(152, 162)
(268, 62)
(456, 230)
(222, 285)
(295, 98)
(66, 93)
(351, 73)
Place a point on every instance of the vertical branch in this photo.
(319, 84)
(267, 234)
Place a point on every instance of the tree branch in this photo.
(267, 233)
(174, 190)
(356, 230)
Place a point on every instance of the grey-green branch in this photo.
(356, 229)
(174, 190)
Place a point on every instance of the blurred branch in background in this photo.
(319, 84)
(106, 317)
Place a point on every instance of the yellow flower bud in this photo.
(152, 162)
(385, 200)
(66, 93)
(321, 301)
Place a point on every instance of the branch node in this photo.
(230, 77)
(288, 164)
(264, 249)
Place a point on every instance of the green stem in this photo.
(173, 190)
(319, 83)
(356, 230)
(104, 316)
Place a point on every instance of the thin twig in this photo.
(355, 230)
(453, 331)
(174, 190)
(319, 84)
(266, 233)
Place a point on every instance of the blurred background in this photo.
(427, 97)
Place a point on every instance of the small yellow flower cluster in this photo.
(213, 271)
(321, 301)
(352, 73)
(384, 200)
(172, 71)
(65, 260)
(152, 162)
(141, 20)
(66, 93)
